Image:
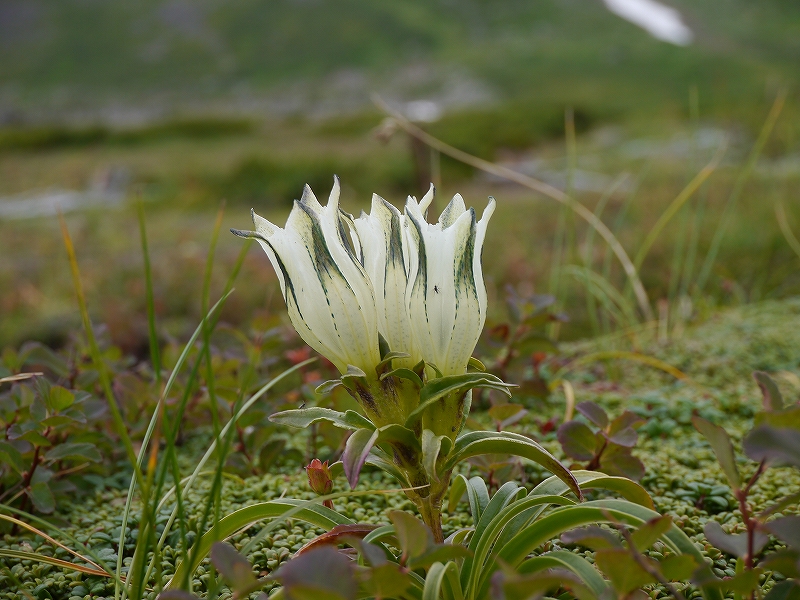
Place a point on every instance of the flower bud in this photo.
(319, 477)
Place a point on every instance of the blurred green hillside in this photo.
(83, 55)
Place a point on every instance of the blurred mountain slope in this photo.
(87, 54)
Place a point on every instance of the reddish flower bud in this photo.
(319, 477)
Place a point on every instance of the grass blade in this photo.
(677, 204)
(20, 555)
(738, 186)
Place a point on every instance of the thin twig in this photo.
(648, 568)
(535, 185)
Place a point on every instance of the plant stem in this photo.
(431, 511)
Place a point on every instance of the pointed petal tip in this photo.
(427, 198)
(243, 234)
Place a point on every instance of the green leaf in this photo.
(537, 585)
(234, 567)
(356, 451)
(476, 364)
(773, 399)
(431, 444)
(723, 448)
(593, 412)
(678, 567)
(564, 518)
(439, 576)
(387, 581)
(414, 536)
(397, 434)
(303, 417)
(649, 533)
(775, 445)
(42, 497)
(591, 480)
(73, 451)
(455, 385)
(326, 387)
(386, 362)
(59, 398)
(577, 440)
(458, 488)
(403, 374)
(311, 513)
(784, 418)
(11, 456)
(582, 568)
(622, 570)
(504, 442)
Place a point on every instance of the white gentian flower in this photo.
(329, 296)
(419, 285)
(385, 256)
(446, 293)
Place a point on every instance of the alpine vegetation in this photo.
(397, 305)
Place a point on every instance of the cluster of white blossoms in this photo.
(346, 281)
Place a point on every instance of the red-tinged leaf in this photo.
(786, 529)
(320, 573)
(784, 590)
(593, 412)
(626, 419)
(773, 399)
(786, 562)
(618, 461)
(577, 440)
(626, 437)
(781, 446)
(735, 544)
(356, 451)
(338, 535)
(592, 537)
(234, 567)
(723, 448)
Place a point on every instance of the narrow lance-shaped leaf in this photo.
(723, 448)
(773, 399)
(356, 451)
(303, 417)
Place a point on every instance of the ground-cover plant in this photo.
(397, 304)
(774, 441)
(489, 559)
(608, 447)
